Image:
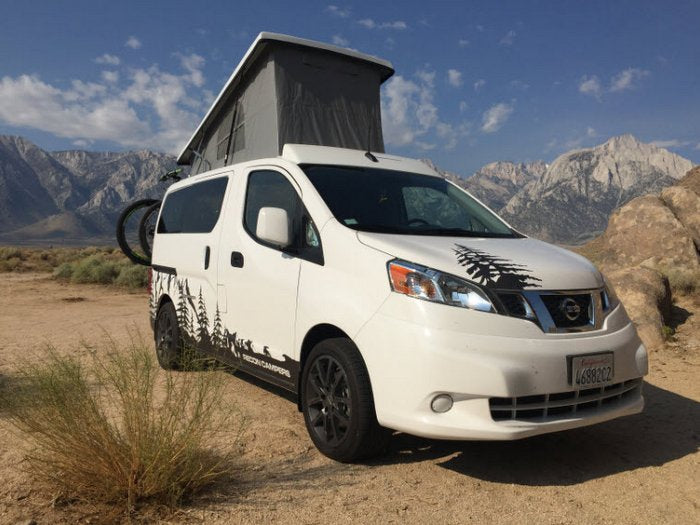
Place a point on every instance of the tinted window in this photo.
(387, 201)
(268, 188)
(193, 209)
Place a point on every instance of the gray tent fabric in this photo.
(327, 100)
(291, 94)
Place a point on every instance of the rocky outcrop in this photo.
(647, 240)
(646, 295)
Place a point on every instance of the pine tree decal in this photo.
(217, 336)
(494, 272)
(183, 315)
(202, 321)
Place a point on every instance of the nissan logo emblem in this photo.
(570, 309)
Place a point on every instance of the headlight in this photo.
(432, 285)
(610, 299)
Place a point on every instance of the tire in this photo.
(337, 402)
(166, 332)
(127, 214)
(147, 228)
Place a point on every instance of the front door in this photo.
(258, 281)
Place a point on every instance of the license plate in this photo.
(592, 370)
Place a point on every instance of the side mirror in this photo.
(273, 226)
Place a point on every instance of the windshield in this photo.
(385, 201)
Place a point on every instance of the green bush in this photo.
(121, 430)
(94, 269)
(132, 276)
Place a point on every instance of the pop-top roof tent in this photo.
(291, 90)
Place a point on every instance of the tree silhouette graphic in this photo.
(217, 336)
(494, 272)
(202, 321)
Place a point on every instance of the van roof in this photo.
(263, 40)
(311, 154)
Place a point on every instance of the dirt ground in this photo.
(640, 469)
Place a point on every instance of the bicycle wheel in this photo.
(147, 228)
(128, 231)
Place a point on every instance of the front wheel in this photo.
(338, 405)
(167, 336)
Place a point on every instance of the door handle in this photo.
(207, 254)
(237, 259)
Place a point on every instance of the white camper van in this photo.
(380, 293)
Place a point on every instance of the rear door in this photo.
(186, 255)
(259, 280)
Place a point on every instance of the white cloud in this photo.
(590, 132)
(371, 24)
(590, 86)
(108, 59)
(410, 117)
(672, 143)
(508, 39)
(519, 84)
(133, 42)
(111, 77)
(463, 106)
(193, 64)
(479, 84)
(494, 117)
(150, 109)
(81, 143)
(697, 146)
(338, 40)
(462, 42)
(627, 78)
(337, 11)
(454, 78)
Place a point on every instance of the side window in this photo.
(193, 209)
(267, 188)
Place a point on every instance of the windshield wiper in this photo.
(459, 232)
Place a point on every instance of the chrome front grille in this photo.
(554, 302)
(554, 311)
(544, 407)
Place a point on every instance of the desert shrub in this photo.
(64, 271)
(120, 430)
(9, 252)
(132, 276)
(94, 269)
(683, 281)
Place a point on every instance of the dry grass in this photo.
(683, 281)
(121, 431)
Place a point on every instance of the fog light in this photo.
(441, 403)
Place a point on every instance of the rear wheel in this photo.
(337, 403)
(167, 336)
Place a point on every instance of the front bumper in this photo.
(415, 350)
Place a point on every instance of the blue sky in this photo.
(475, 82)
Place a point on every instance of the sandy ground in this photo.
(640, 469)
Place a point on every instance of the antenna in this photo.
(368, 153)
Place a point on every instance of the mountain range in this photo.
(76, 196)
(71, 196)
(570, 200)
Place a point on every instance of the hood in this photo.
(505, 264)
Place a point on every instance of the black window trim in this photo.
(316, 255)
